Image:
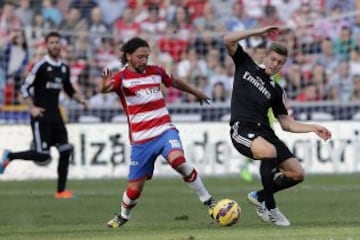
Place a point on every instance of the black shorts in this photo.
(242, 135)
(47, 134)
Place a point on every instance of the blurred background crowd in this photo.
(186, 38)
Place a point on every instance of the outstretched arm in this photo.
(231, 39)
(289, 124)
(185, 87)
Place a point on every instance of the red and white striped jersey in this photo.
(143, 102)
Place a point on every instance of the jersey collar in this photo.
(52, 61)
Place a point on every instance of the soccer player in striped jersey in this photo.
(254, 92)
(151, 130)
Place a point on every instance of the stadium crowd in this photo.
(186, 38)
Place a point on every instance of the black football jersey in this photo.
(254, 92)
(44, 83)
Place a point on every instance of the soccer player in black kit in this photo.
(254, 92)
(41, 91)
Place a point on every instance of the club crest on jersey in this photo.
(49, 69)
(63, 69)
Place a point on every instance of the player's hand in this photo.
(322, 132)
(271, 32)
(105, 82)
(37, 111)
(106, 75)
(85, 104)
(203, 98)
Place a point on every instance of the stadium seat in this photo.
(186, 117)
(119, 119)
(89, 119)
(321, 116)
(225, 117)
(356, 116)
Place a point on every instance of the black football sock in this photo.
(266, 172)
(63, 168)
(282, 182)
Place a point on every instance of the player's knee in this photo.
(299, 175)
(133, 193)
(65, 149)
(177, 162)
(266, 153)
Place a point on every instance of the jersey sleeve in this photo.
(30, 79)
(241, 57)
(68, 87)
(166, 79)
(279, 107)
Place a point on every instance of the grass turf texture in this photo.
(323, 207)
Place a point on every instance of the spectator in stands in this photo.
(41, 91)
(85, 7)
(97, 27)
(24, 12)
(254, 8)
(125, 27)
(172, 44)
(238, 19)
(8, 21)
(344, 44)
(182, 24)
(308, 94)
(344, 5)
(354, 63)
(340, 84)
(151, 132)
(71, 23)
(16, 58)
(219, 93)
(111, 10)
(196, 7)
(332, 27)
(356, 28)
(356, 88)
(191, 65)
(294, 82)
(270, 17)
(36, 31)
(326, 57)
(208, 21)
(50, 12)
(320, 79)
(106, 53)
(154, 23)
(286, 8)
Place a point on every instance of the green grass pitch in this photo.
(323, 207)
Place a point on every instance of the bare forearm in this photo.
(185, 87)
(78, 97)
(234, 37)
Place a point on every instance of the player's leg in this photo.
(174, 154)
(40, 151)
(60, 140)
(243, 143)
(141, 168)
(291, 174)
(129, 200)
(264, 150)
